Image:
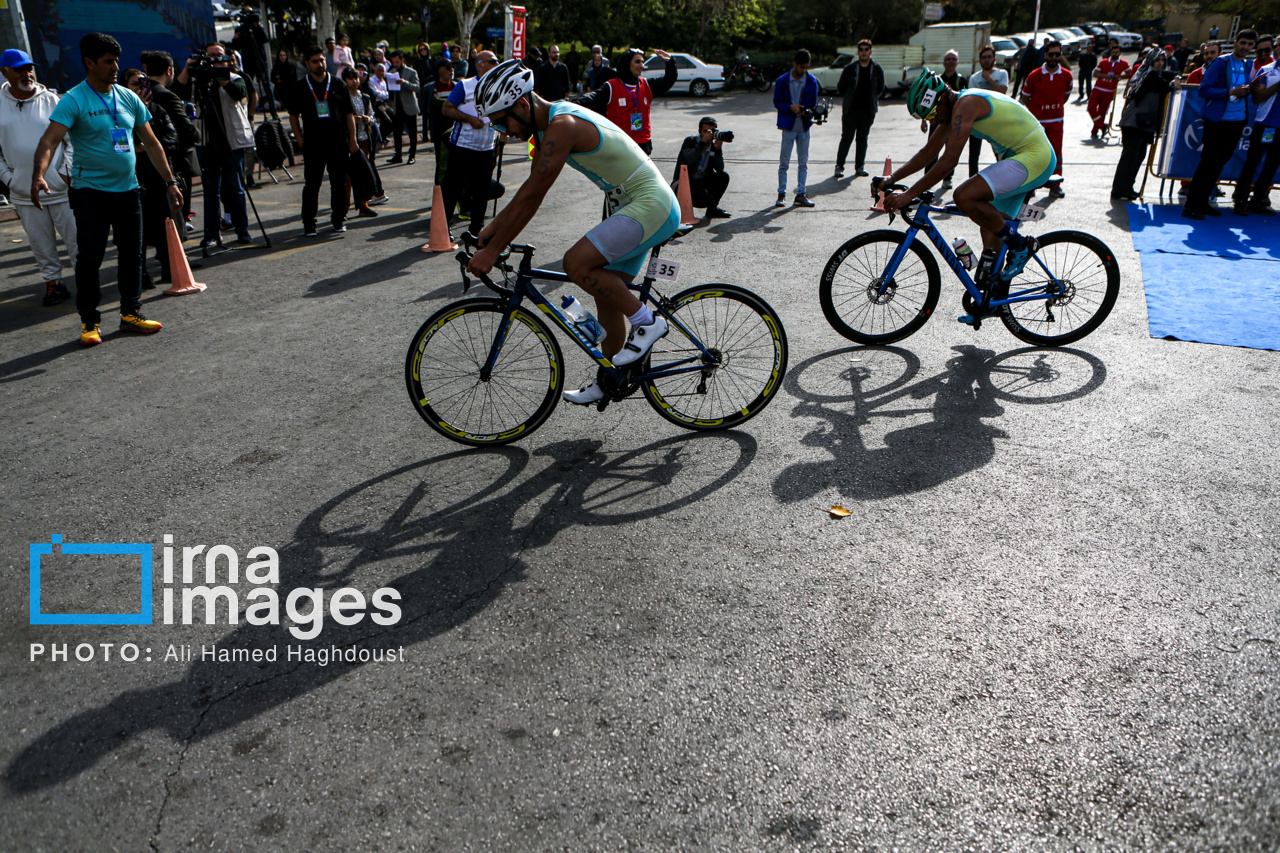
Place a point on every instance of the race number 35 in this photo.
(663, 269)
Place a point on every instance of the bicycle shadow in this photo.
(877, 381)
(463, 552)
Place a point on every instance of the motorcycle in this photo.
(747, 74)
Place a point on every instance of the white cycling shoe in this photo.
(640, 341)
(586, 395)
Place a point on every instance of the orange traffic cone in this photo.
(685, 197)
(888, 170)
(440, 239)
(179, 269)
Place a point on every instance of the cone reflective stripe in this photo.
(179, 269)
(685, 197)
(440, 240)
(888, 170)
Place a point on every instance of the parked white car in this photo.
(696, 77)
(224, 11)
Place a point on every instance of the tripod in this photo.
(212, 118)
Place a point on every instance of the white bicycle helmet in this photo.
(503, 86)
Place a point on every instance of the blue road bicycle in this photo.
(488, 371)
(883, 285)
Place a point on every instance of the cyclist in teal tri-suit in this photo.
(645, 214)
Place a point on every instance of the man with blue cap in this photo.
(25, 109)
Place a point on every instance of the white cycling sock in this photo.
(643, 317)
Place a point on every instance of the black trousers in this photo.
(709, 189)
(466, 183)
(401, 122)
(1257, 151)
(854, 125)
(97, 213)
(316, 160)
(1220, 140)
(1133, 152)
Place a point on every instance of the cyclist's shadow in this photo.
(448, 557)
(847, 388)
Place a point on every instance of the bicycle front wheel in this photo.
(443, 368)
(748, 358)
(859, 307)
(1088, 281)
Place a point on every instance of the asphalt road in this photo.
(1049, 622)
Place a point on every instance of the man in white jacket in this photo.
(25, 108)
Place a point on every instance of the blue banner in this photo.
(54, 28)
(1180, 150)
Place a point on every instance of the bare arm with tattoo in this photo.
(565, 134)
(947, 143)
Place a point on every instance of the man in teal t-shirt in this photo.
(102, 120)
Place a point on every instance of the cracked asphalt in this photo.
(1049, 622)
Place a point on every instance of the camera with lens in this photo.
(205, 68)
(249, 17)
(722, 136)
(820, 113)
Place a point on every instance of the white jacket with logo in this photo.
(22, 123)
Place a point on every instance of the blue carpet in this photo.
(1215, 281)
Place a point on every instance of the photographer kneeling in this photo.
(707, 178)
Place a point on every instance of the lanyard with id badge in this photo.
(120, 140)
(637, 118)
(322, 105)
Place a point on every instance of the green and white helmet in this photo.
(922, 97)
(502, 86)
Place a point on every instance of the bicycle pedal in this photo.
(603, 404)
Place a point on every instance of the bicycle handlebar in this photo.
(469, 245)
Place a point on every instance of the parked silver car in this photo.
(696, 77)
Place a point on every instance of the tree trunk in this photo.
(324, 19)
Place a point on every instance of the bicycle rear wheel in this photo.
(1090, 279)
(853, 301)
(442, 371)
(744, 333)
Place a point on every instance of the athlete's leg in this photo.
(973, 197)
(614, 302)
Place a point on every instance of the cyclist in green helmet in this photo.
(996, 194)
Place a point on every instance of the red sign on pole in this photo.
(517, 32)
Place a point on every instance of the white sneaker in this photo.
(382, 199)
(586, 395)
(640, 341)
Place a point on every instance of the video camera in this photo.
(820, 113)
(205, 68)
(248, 17)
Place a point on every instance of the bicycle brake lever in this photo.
(462, 260)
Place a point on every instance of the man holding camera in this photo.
(221, 98)
(707, 178)
(795, 95)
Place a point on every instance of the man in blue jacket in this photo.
(1227, 111)
(795, 94)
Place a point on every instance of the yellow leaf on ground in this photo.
(839, 512)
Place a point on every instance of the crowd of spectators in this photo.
(124, 158)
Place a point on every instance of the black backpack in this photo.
(271, 141)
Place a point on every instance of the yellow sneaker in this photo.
(89, 336)
(138, 323)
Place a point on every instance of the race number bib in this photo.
(664, 269)
(1031, 213)
(616, 198)
(120, 141)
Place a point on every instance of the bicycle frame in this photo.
(525, 289)
(921, 222)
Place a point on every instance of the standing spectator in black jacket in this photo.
(403, 89)
(1031, 59)
(1140, 121)
(861, 84)
(155, 196)
(284, 74)
(251, 42)
(1089, 61)
(437, 93)
(320, 106)
(707, 178)
(159, 67)
(551, 79)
